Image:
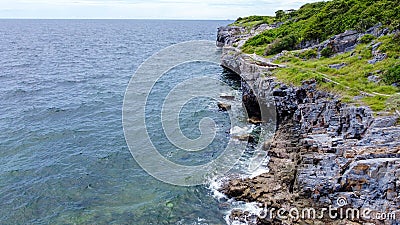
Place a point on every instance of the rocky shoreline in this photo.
(323, 150)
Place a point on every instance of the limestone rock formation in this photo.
(323, 150)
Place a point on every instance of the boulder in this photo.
(224, 106)
(337, 66)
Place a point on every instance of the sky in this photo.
(143, 9)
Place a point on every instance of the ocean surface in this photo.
(63, 155)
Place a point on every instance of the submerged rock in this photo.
(227, 96)
(224, 106)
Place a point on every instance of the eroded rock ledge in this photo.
(323, 150)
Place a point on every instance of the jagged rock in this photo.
(224, 106)
(228, 35)
(374, 79)
(376, 46)
(344, 42)
(307, 44)
(244, 137)
(337, 66)
(262, 27)
(254, 120)
(227, 96)
(250, 101)
(377, 31)
(377, 58)
(235, 36)
(388, 121)
(322, 149)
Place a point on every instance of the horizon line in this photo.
(188, 19)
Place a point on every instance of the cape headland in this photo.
(333, 71)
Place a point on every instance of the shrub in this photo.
(392, 75)
(393, 103)
(327, 52)
(280, 44)
(259, 40)
(396, 38)
(308, 54)
(367, 38)
(279, 15)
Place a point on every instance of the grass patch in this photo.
(321, 20)
(352, 78)
(393, 103)
(376, 103)
(367, 38)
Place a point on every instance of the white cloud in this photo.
(142, 9)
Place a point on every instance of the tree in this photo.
(280, 14)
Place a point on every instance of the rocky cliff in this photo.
(323, 151)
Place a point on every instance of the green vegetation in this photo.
(280, 44)
(319, 21)
(308, 54)
(393, 103)
(252, 21)
(392, 75)
(351, 82)
(367, 38)
(327, 52)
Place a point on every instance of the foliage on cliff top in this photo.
(353, 80)
(319, 21)
(252, 21)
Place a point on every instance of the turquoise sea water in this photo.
(63, 156)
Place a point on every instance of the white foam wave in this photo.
(215, 186)
(253, 210)
(241, 130)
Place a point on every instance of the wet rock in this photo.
(244, 137)
(227, 96)
(250, 101)
(224, 106)
(254, 120)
